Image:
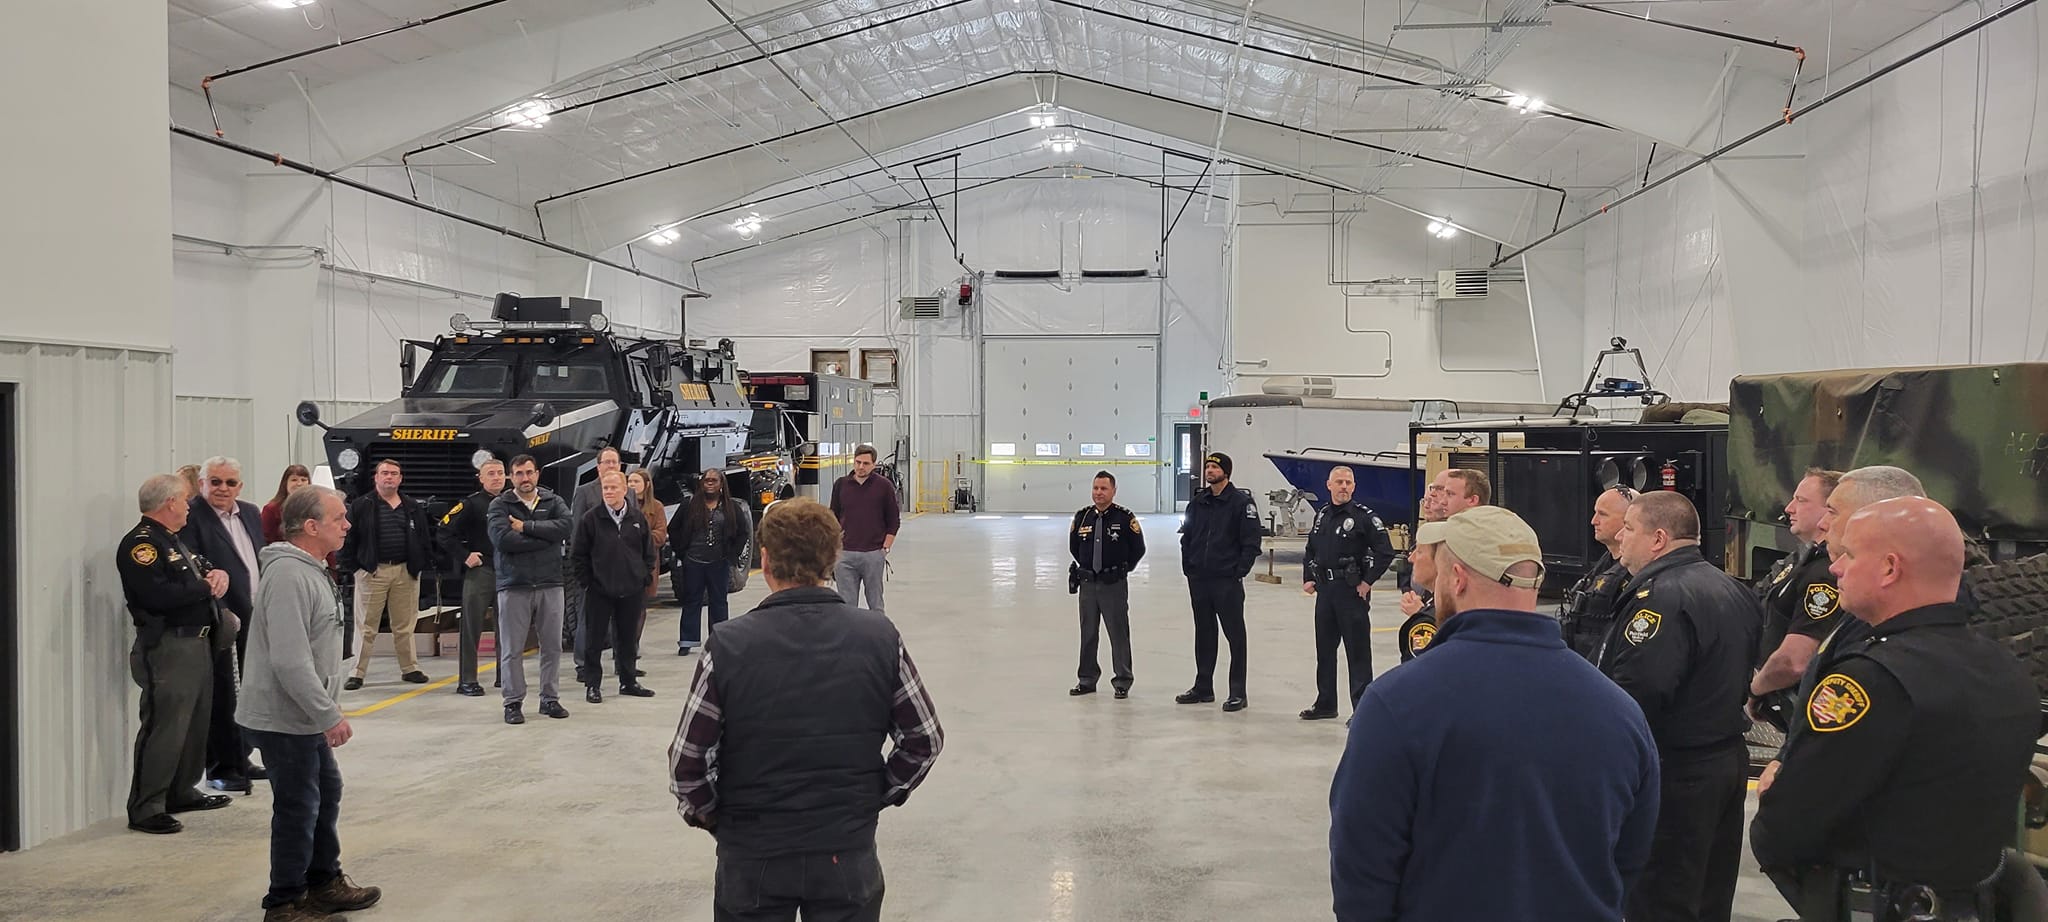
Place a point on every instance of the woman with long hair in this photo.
(641, 485)
(712, 532)
(295, 476)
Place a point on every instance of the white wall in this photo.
(1903, 230)
(1351, 296)
(82, 253)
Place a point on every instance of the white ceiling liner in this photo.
(932, 46)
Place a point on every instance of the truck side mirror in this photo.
(407, 363)
(309, 414)
(541, 415)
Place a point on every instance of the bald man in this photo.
(1681, 645)
(1920, 733)
(1588, 610)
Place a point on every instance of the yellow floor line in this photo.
(481, 668)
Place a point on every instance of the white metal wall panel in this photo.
(202, 427)
(101, 421)
(1070, 392)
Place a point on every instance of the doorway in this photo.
(1187, 453)
(10, 631)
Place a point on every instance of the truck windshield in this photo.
(761, 431)
(470, 378)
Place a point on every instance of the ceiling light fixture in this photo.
(1529, 105)
(664, 237)
(1442, 230)
(748, 226)
(532, 113)
(289, 4)
(1045, 116)
(1062, 143)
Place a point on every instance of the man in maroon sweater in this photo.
(865, 505)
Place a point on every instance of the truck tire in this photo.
(2011, 607)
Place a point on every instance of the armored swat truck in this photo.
(546, 377)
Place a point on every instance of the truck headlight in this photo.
(347, 459)
(482, 456)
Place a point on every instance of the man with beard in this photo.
(1219, 543)
(529, 526)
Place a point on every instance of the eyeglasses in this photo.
(216, 481)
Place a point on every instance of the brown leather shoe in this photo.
(341, 895)
(297, 912)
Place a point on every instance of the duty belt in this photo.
(189, 630)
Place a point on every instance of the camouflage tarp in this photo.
(1976, 435)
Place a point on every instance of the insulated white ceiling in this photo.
(1311, 70)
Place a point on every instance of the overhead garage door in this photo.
(1058, 409)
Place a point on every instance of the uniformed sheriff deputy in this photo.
(1219, 543)
(1106, 542)
(1588, 610)
(1918, 738)
(171, 597)
(1348, 550)
(1801, 605)
(1681, 647)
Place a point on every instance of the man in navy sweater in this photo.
(1501, 777)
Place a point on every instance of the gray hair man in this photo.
(227, 532)
(171, 598)
(291, 686)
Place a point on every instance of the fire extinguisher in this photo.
(1670, 475)
(966, 293)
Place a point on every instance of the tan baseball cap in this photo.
(1488, 540)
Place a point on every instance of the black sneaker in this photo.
(1080, 690)
(1122, 693)
(469, 689)
(1191, 696)
(554, 709)
(162, 824)
(512, 715)
(636, 690)
(354, 682)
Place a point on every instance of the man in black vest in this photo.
(1917, 737)
(775, 754)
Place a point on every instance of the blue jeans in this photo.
(305, 795)
(698, 585)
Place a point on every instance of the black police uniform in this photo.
(1347, 548)
(466, 530)
(172, 660)
(1219, 543)
(1800, 598)
(1105, 546)
(1909, 768)
(1681, 647)
(1417, 632)
(1587, 615)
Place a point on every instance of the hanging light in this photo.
(289, 4)
(664, 237)
(1442, 230)
(532, 113)
(748, 226)
(1044, 115)
(1528, 105)
(1062, 143)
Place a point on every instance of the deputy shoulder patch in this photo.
(144, 553)
(1822, 601)
(1642, 627)
(1420, 636)
(1134, 526)
(1837, 704)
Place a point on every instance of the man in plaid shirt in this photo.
(778, 753)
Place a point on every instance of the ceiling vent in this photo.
(1461, 284)
(923, 307)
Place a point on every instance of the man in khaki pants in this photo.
(387, 544)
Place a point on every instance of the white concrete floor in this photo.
(1043, 808)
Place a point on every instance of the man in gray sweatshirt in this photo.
(290, 683)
